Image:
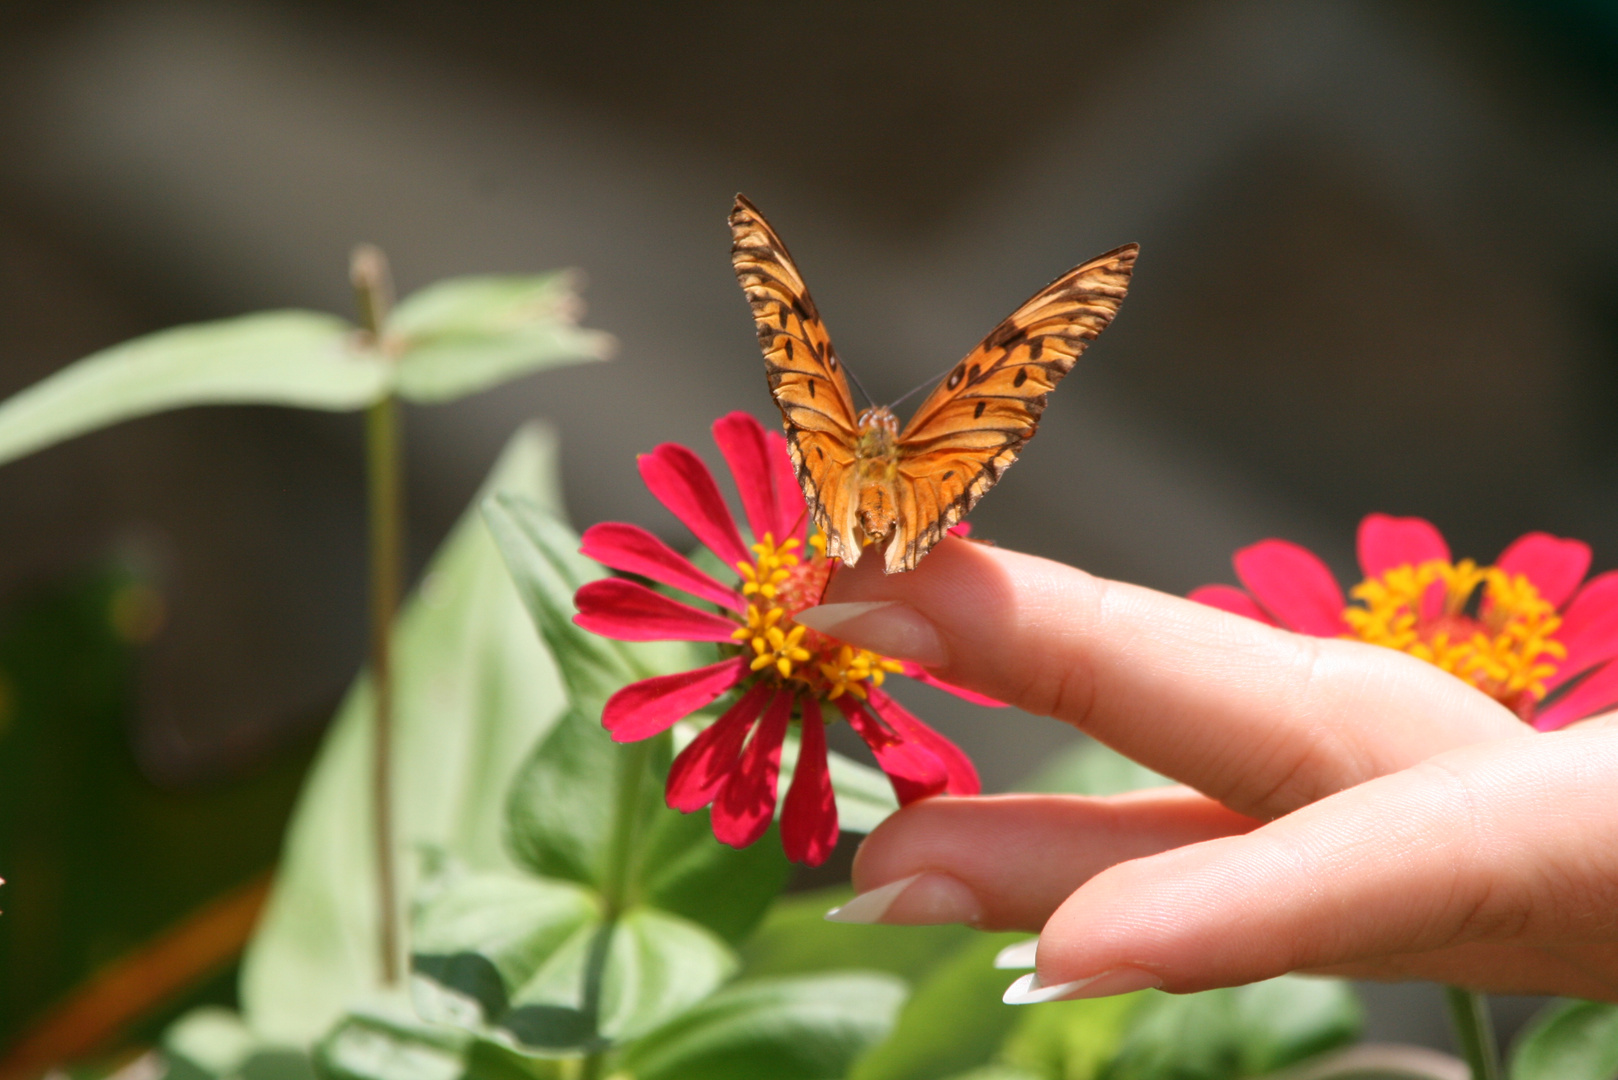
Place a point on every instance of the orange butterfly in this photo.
(867, 481)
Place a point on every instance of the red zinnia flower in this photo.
(1522, 630)
(785, 671)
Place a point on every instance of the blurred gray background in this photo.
(1379, 271)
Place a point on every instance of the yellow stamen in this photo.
(1506, 649)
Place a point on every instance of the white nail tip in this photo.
(828, 617)
(1020, 955)
(1028, 990)
(869, 907)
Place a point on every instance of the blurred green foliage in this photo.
(96, 857)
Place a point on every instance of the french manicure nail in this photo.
(883, 626)
(929, 899)
(1028, 990)
(1020, 955)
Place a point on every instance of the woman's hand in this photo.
(1356, 811)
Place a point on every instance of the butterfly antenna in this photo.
(869, 400)
(914, 390)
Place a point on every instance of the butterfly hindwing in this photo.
(806, 377)
(974, 423)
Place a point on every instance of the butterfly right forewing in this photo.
(806, 378)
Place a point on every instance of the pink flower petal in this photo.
(922, 675)
(633, 550)
(1589, 628)
(746, 803)
(962, 774)
(1231, 599)
(809, 814)
(792, 511)
(1555, 566)
(914, 771)
(702, 768)
(1293, 585)
(643, 709)
(1594, 695)
(683, 483)
(1386, 542)
(629, 611)
(741, 440)
(962, 529)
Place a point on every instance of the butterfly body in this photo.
(867, 480)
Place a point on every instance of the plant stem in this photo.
(1474, 1031)
(633, 769)
(385, 484)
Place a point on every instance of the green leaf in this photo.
(807, 1028)
(1568, 1040)
(372, 1047)
(1092, 768)
(297, 358)
(1237, 1032)
(528, 979)
(560, 811)
(954, 1020)
(684, 870)
(1184, 1037)
(658, 966)
(1075, 1040)
(206, 1043)
(542, 556)
(1292, 1018)
(480, 934)
(796, 939)
(467, 334)
(475, 691)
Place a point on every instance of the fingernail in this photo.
(928, 899)
(1028, 990)
(1020, 955)
(883, 626)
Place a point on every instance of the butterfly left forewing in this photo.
(806, 377)
(975, 423)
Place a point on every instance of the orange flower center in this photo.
(778, 584)
(1481, 624)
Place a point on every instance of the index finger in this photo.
(1262, 719)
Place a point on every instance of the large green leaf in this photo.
(467, 334)
(953, 1021)
(300, 358)
(1568, 1040)
(1239, 1032)
(1292, 1018)
(561, 823)
(807, 1028)
(206, 1043)
(1074, 1040)
(1092, 768)
(478, 935)
(475, 691)
(796, 939)
(562, 804)
(367, 1046)
(682, 869)
(557, 977)
(542, 555)
(658, 966)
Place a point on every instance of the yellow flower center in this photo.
(778, 583)
(1488, 627)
